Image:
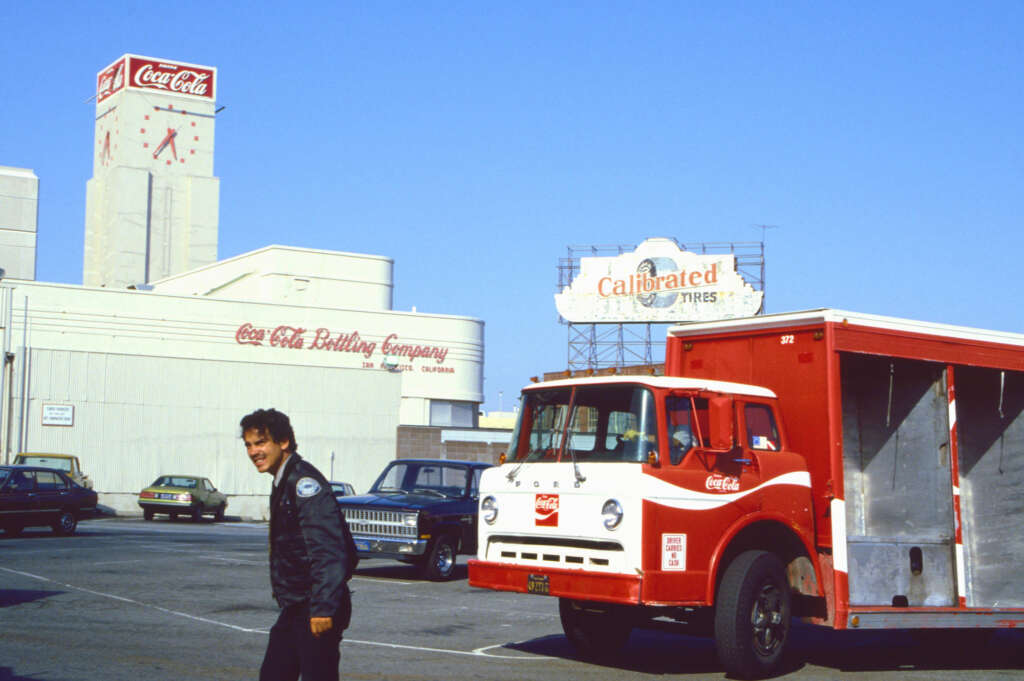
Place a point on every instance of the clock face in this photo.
(171, 137)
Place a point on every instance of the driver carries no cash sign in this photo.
(312, 555)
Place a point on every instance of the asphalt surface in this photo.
(128, 599)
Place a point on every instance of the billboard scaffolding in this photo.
(597, 346)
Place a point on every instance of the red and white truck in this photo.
(850, 470)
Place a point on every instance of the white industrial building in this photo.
(147, 369)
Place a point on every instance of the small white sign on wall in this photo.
(673, 552)
(58, 414)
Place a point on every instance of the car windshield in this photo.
(597, 423)
(436, 479)
(174, 481)
(59, 463)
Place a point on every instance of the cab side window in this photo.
(761, 430)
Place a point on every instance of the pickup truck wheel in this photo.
(440, 561)
(66, 523)
(752, 615)
(147, 513)
(596, 632)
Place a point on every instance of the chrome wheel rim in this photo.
(767, 621)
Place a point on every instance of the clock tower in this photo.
(152, 202)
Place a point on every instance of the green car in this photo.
(182, 495)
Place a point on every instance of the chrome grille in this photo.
(366, 521)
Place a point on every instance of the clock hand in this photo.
(168, 139)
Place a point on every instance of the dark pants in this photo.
(292, 649)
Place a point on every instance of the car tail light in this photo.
(147, 495)
(187, 498)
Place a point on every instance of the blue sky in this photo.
(473, 142)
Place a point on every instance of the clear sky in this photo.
(472, 142)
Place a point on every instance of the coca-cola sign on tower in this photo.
(159, 75)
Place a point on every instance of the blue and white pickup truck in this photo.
(419, 511)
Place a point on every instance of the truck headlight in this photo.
(612, 514)
(409, 519)
(489, 509)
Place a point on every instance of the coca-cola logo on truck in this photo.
(722, 483)
(545, 510)
(144, 73)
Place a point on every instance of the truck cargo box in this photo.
(914, 437)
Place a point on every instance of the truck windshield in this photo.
(423, 478)
(605, 423)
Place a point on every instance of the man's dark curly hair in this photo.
(273, 423)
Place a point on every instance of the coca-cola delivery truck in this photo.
(850, 470)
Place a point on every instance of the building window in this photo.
(453, 414)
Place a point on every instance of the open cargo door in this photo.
(898, 482)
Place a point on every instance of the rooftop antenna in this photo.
(764, 285)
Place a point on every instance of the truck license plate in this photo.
(538, 584)
(362, 545)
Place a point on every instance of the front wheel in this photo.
(595, 631)
(219, 515)
(439, 564)
(752, 615)
(66, 523)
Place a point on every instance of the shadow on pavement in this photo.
(10, 597)
(6, 674)
(660, 652)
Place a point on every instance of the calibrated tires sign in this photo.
(658, 282)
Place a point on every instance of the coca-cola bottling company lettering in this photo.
(299, 338)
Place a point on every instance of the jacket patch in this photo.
(307, 487)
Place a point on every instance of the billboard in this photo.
(658, 282)
(156, 75)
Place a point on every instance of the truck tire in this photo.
(752, 615)
(439, 563)
(596, 632)
(66, 523)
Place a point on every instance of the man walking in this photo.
(309, 556)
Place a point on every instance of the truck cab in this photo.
(627, 498)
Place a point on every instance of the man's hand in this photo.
(319, 625)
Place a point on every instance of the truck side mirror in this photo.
(720, 422)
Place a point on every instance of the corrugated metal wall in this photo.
(138, 417)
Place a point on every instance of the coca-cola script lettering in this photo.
(247, 335)
(545, 510)
(171, 77)
(722, 483)
(299, 338)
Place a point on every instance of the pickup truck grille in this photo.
(379, 523)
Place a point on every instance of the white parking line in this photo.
(478, 652)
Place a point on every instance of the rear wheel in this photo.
(197, 513)
(752, 615)
(439, 563)
(596, 631)
(147, 513)
(66, 523)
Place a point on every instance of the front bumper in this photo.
(575, 584)
(389, 547)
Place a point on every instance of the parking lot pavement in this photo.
(128, 599)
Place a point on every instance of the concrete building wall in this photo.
(19, 215)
